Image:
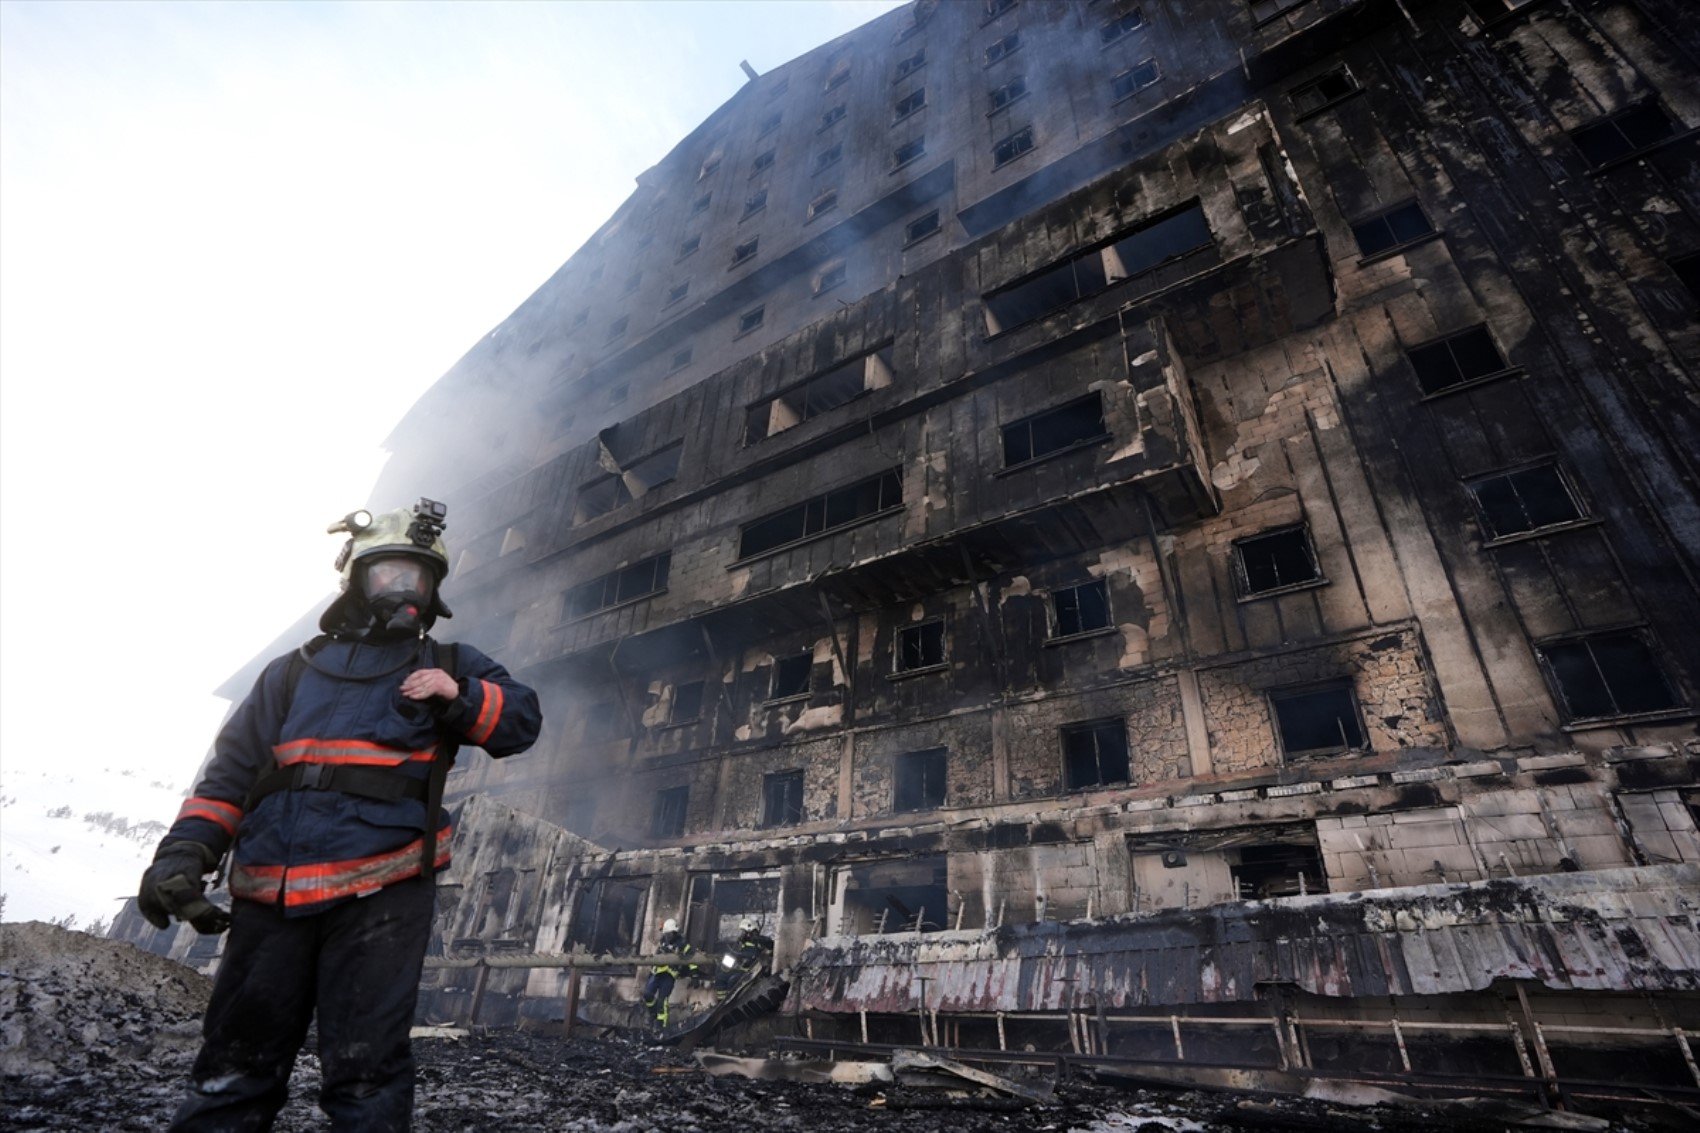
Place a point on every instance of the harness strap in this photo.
(380, 783)
(448, 660)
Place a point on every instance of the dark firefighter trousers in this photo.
(358, 965)
(656, 994)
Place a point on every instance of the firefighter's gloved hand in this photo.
(173, 887)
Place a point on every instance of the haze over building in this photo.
(1081, 492)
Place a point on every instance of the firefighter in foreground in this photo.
(659, 989)
(325, 787)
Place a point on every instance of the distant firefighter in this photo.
(659, 989)
(325, 786)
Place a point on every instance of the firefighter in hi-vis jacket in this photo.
(325, 787)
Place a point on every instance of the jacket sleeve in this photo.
(493, 711)
(241, 754)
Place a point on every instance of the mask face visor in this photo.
(394, 575)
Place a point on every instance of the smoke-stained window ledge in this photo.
(1089, 442)
(997, 165)
(581, 618)
(736, 563)
(1543, 532)
(1277, 17)
(996, 110)
(1667, 715)
(1512, 15)
(1070, 639)
(1644, 151)
(674, 725)
(925, 670)
(1279, 591)
(794, 698)
(1317, 111)
(1459, 387)
(1401, 249)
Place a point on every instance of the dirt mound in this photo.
(70, 1001)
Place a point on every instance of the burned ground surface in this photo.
(100, 1036)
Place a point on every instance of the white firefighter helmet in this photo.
(669, 925)
(746, 925)
(415, 532)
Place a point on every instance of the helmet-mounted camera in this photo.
(429, 519)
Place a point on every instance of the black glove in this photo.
(173, 887)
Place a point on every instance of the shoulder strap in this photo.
(448, 660)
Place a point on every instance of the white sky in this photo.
(237, 241)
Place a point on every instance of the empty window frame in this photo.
(1277, 870)
(598, 497)
(701, 203)
(1008, 149)
(824, 203)
(616, 588)
(689, 246)
(919, 647)
(1077, 423)
(1094, 754)
(1009, 92)
(790, 676)
(907, 152)
(920, 228)
(650, 472)
(826, 512)
(1456, 359)
(618, 327)
(709, 165)
(828, 157)
(1144, 248)
(1315, 95)
(677, 292)
(837, 77)
(1262, 10)
(763, 160)
(667, 819)
(1603, 675)
(746, 251)
(687, 703)
(1080, 609)
(1625, 133)
(751, 320)
(754, 203)
(909, 104)
(1276, 561)
(1391, 228)
(681, 359)
(1317, 719)
(1687, 269)
(834, 115)
(1129, 21)
(918, 780)
(825, 391)
(781, 799)
(1003, 48)
(1524, 501)
(1134, 79)
(910, 64)
(830, 276)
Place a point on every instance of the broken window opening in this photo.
(1393, 228)
(689, 246)
(1012, 147)
(1263, 10)
(791, 676)
(920, 228)
(1095, 754)
(608, 914)
(920, 646)
(752, 319)
(918, 780)
(1687, 269)
(674, 294)
(667, 819)
(599, 497)
(701, 204)
(1604, 675)
(828, 157)
(1146, 247)
(1451, 361)
(1081, 609)
(1015, 89)
(1126, 84)
(826, 391)
(687, 703)
(762, 160)
(909, 65)
(909, 104)
(826, 202)
(681, 359)
(754, 203)
(1003, 48)
(907, 152)
(839, 75)
(770, 124)
(1264, 872)
(831, 276)
(892, 896)
(1276, 561)
(781, 799)
(746, 251)
(1129, 21)
(1318, 719)
(721, 902)
(628, 584)
(1316, 95)
(1067, 426)
(822, 514)
(1528, 500)
(1624, 134)
(833, 115)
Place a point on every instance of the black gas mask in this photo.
(397, 592)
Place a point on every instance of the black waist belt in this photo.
(385, 784)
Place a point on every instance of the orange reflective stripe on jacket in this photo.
(226, 815)
(313, 750)
(327, 881)
(489, 713)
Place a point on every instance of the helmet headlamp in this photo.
(354, 523)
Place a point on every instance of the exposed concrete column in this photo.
(1192, 710)
(847, 776)
(1115, 873)
(1000, 755)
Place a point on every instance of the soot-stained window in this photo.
(1315, 95)
(1129, 21)
(1012, 147)
(1081, 609)
(1530, 499)
(687, 703)
(826, 512)
(1627, 132)
(1003, 48)
(1077, 423)
(921, 227)
(1095, 754)
(1393, 228)
(920, 646)
(1604, 675)
(782, 799)
(667, 819)
(825, 391)
(1276, 561)
(1134, 79)
(618, 587)
(1455, 359)
(790, 676)
(918, 780)
(1317, 719)
(746, 251)
(1009, 92)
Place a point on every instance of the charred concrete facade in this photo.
(1027, 475)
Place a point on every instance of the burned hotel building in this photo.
(1073, 514)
